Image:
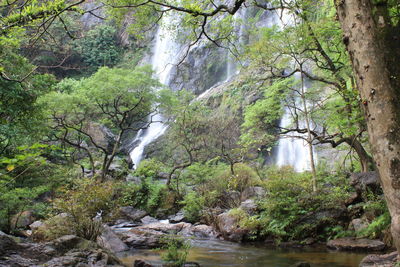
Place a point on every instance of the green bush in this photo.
(83, 201)
(99, 47)
(290, 200)
(176, 251)
(193, 206)
(243, 177)
(149, 168)
(149, 195)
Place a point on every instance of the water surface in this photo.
(222, 253)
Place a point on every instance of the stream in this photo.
(208, 252)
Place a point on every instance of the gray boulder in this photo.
(109, 240)
(353, 244)
(253, 192)
(132, 213)
(148, 219)
(363, 180)
(249, 206)
(228, 226)
(374, 260)
(359, 224)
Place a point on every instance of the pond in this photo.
(208, 252)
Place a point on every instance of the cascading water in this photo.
(164, 52)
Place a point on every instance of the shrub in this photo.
(83, 202)
(149, 168)
(243, 177)
(193, 206)
(290, 200)
(176, 251)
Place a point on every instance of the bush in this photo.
(99, 47)
(176, 251)
(84, 201)
(290, 199)
(149, 195)
(149, 168)
(193, 206)
(243, 177)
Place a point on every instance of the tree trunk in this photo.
(375, 66)
(365, 159)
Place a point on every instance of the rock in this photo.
(349, 243)
(179, 217)
(109, 240)
(359, 224)
(386, 260)
(22, 219)
(140, 263)
(133, 179)
(203, 231)
(353, 199)
(253, 192)
(148, 219)
(36, 225)
(363, 180)
(229, 228)
(249, 206)
(101, 135)
(62, 252)
(301, 264)
(132, 213)
(142, 238)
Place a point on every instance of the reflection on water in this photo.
(223, 253)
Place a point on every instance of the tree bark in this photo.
(375, 65)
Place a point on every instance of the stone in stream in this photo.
(65, 251)
(229, 227)
(353, 244)
(386, 260)
(109, 240)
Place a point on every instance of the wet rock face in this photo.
(202, 68)
(352, 244)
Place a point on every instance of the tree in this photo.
(371, 33)
(119, 99)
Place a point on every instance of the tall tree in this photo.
(371, 32)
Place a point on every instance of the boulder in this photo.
(142, 238)
(36, 225)
(374, 260)
(301, 264)
(65, 251)
(363, 180)
(22, 219)
(203, 231)
(359, 224)
(140, 263)
(353, 244)
(229, 227)
(253, 192)
(109, 240)
(249, 206)
(132, 213)
(148, 220)
(178, 217)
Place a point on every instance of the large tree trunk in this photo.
(375, 65)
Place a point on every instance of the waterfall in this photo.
(293, 149)
(164, 56)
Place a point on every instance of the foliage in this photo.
(290, 203)
(193, 205)
(244, 176)
(83, 200)
(148, 168)
(177, 250)
(148, 195)
(99, 47)
(24, 178)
